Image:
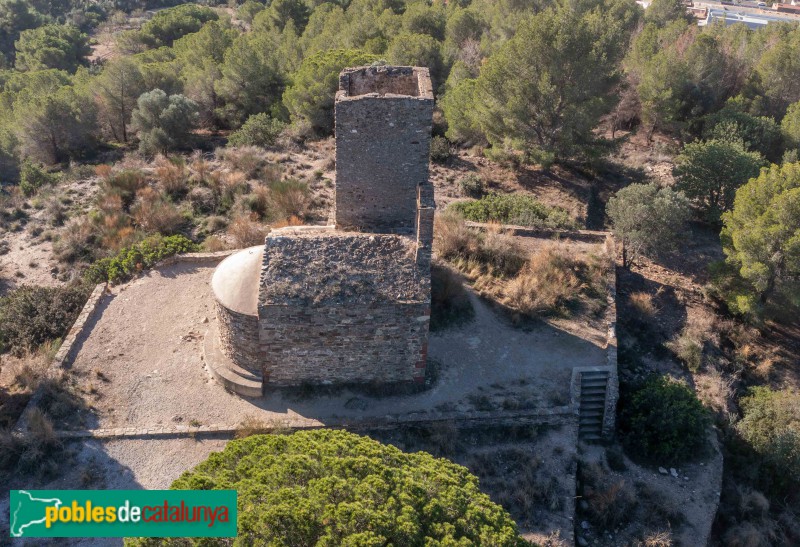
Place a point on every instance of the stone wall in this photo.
(426, 209)
(382, 147)
(344, 344)
(238, 335)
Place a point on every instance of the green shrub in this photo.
(472, 186)
(771, 426)
(32, 177)
(258, 130)
(330, 487)
(440, 149)
(136, 258)
(31, 316)
(514, 209)
(662, 421)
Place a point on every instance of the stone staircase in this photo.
(592, 404)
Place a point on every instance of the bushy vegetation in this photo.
(310, 97)
(590, 61)
(440, 150)
(136, 258)
(514, 209)
(258, 130)
(62, 47)
(543, 91)
(32, 177)
(647, 220)
(163, 122)
(306, 487)
(472, 185)
(662, 422)
(31, 316)
(771, 426)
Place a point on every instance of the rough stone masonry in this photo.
(348, 303)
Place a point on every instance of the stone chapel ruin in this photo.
(350, 302)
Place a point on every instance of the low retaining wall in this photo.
(564, 415)
(66, 352)
(195, 257)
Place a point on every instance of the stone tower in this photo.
(383, 132)
(349, 303)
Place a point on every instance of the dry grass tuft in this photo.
(291, 221)
(716, 391)
(689, 345)
(171, 176)
(246, 231)
(662, 538)
(32, 367)
(154, 213)
(288, 198)
(493, 252)
(213, 244)
(611, 501)
(549, 283)
(252, 425)
(247, 159)
(200, 167)
(452, 238)
(643, 303)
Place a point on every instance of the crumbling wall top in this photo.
(385, 81)
(326, 267)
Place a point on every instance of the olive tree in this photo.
(163, 122)
(647, 220)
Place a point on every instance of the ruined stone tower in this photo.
(383, 132)
(348, 303)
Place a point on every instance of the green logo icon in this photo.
(123, 513)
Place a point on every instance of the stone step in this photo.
(595, 374)
(593, 391)
(592, 411)
(590, 437)
(594, 383)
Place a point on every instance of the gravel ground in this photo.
(142, 363)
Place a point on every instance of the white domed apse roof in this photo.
(235, 281)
